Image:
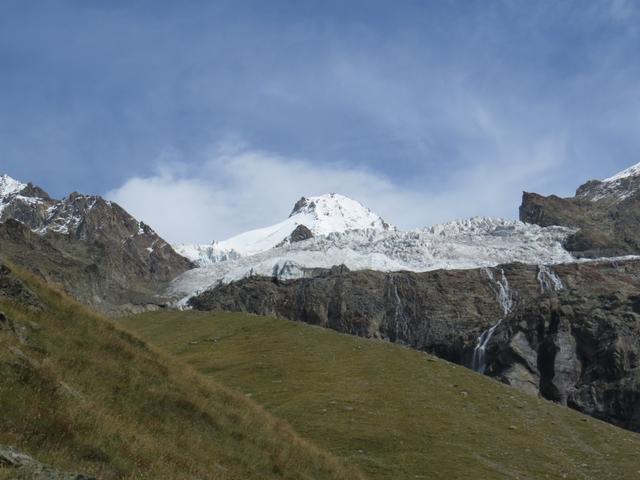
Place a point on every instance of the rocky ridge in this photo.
(606, 214)
(91, 247)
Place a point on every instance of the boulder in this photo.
(28, 468)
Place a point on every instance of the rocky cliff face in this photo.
(579, 346)
(91, 247)
(606, 212)
(571, 334)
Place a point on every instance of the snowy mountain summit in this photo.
(80, 217)
(614, 189)
(332, 213)
(9, 186)
(17, 198)
(310, 217)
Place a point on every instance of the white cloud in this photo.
(238, 189)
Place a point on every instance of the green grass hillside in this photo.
(82, 395)
(393, 412)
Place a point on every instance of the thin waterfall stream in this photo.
(479, 362)
(548, 279)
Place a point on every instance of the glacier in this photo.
(462, 244)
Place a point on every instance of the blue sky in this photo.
(206, 118)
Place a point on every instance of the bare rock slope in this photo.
(606, 212)
(91, 247)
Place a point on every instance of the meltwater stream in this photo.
(479, 363)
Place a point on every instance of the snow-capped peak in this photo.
(310, 217)
(10, 186)
(632, 171)
(615, 189)
(333, 212)
(10, 190)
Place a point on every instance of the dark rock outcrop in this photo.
(300, 234)
(300, 205)
(25, 467)
(572, 334)
(13, 289)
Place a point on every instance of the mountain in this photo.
(90, 246)
(606, 214)
(472, 243)
(614, 189)
(505, 298)
(550, 306)
(310, 217)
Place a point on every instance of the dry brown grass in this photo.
(86, 396)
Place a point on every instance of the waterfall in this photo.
(548, 279)
(504, 294)
(505, 299)
(400, 321)
(479, 363)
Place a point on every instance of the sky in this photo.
(209, 118)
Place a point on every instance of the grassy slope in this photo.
(84, 396)
(393, 412)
